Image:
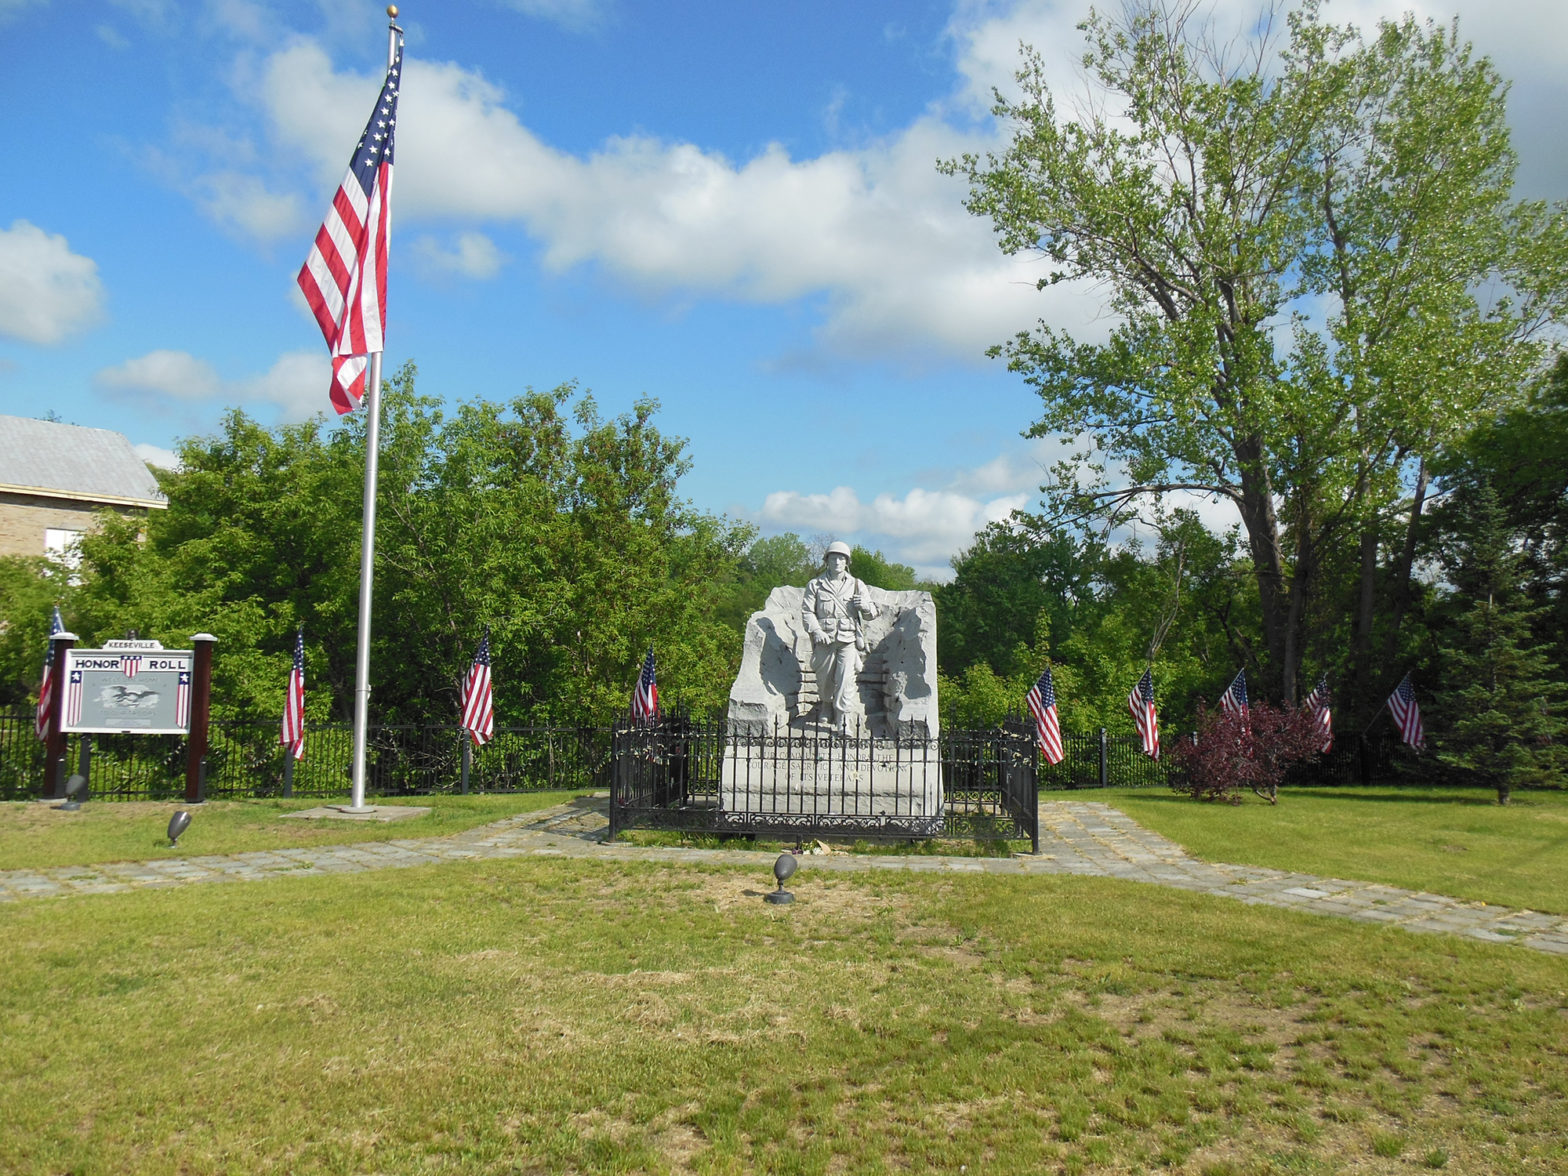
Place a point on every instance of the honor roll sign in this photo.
(128, 687)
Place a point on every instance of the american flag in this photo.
(182, 700)
(478, 698)
(1141, 703)
(73, 698)
(1319, 702)
(1234, 700)
(1041, 701)
(645, 698)
(1407, 713)
(345, 277)
(46, 687)
(292, 733)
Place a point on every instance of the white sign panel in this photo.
(128, 691)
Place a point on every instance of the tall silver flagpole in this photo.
(367, 548)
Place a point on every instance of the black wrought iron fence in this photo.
(244, 759)
(681, 774)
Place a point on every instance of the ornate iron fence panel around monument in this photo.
(690, 775)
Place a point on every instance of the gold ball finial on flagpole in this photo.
(392, 11)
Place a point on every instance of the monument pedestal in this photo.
(802, 771)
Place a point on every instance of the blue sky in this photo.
(732, 208)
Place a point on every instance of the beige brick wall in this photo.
(24, 518)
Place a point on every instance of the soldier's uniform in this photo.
(829, 615)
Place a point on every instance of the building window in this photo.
(63, 547)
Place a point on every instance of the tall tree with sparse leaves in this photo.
(1294, 233)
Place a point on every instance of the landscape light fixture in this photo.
(75, 789)
(782, 869)
(178, 823)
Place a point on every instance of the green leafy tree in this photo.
(876, 569)
(1499, 714)
(768, 563)
(29, 589)
(1002, 584)
(559, 529)
(1294, 235)
(1522, 455)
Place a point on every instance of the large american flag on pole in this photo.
(292, 733)
(1319, 702)
(478, 697)
(645, 698)
(1041, 701)
(1234, 700)
(1407, 713)
(46, 688)
(1141, 703)
(345, 277)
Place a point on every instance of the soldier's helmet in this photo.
(837, 547)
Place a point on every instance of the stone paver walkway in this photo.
(1076, 837)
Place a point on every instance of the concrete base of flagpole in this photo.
(355, 810)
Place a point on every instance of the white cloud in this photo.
(877, 231)
(46, 291)
(924, 528)
(156, 455)
(875, 235)
(296, 384)
(13, 8)
(472, 255)
(163, 374)
(237, 201)
(573, 15)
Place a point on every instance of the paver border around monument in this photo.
(1079, 838)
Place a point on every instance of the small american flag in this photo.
(1041, 701)
(478, 697)
(1319, 703)
(1141, 703)
(645, 698)
(130, 664)
(182, 700)
(344, 278)
(1234, 700)
(46, 687)
(1407, 713)
(292, 733)
(73, 698)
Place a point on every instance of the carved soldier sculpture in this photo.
(832, 609)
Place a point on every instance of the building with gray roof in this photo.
(53, 477)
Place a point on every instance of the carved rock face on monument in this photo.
(805, 646)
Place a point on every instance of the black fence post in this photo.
(468, 762)
(1105, 764)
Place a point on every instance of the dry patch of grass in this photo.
(571, 1016)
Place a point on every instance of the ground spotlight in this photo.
(178, 823)
(75, 789)
(782, 869)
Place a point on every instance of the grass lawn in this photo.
(588, 1016)
(1454, 841)
(34, 835)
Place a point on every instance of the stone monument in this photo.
(834, 711)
